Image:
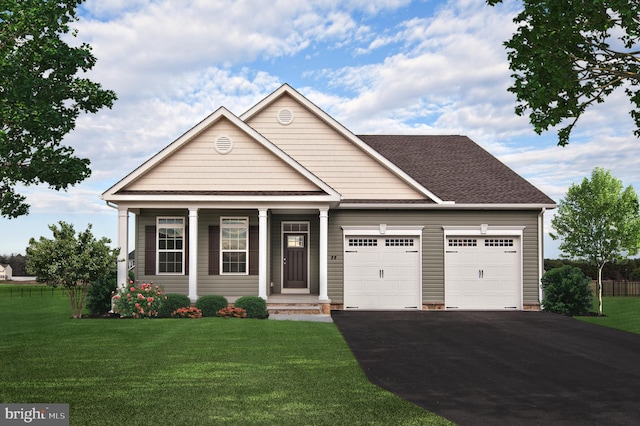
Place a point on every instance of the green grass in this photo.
(187, 371)
(622, 313)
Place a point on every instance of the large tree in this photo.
(598, 221)
(42, 92)
(70, 261)
(569, 54)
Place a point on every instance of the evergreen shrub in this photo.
(255, 306)
(566, 291)
(211, 304)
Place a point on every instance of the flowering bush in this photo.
(230, 312)
(190, 312)
(137, 302)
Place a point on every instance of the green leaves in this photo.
(41, 96)
(566, 56)
(70, 261)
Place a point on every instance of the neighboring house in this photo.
(132, 260)
(6, 272)
(284, 200)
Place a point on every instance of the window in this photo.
(234, 244)
(170, 245)
(462, 242)
(399, 242)
(363, 242)
(506, 242)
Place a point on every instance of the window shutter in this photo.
(254, 245)
(214, 250)
(149, 250)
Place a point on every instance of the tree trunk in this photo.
(600, 288)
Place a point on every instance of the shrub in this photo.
(566, 291)
(255, 306)
(100, 294)
(190, 312)
(230, 312)
(142, 301)
(173, 302)
(211, 304)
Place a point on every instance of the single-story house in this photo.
(284, 201)
(6, 272)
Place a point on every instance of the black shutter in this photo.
(149, 250)
(214, 250)
(254, 253)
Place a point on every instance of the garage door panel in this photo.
(483, 273)
(383, 275)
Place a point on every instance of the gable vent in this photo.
(224, 144)
(285, 116)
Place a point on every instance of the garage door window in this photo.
(498, 242)
(363, 242)
(399, 242)
(463, 242)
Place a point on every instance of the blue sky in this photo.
(377, 66)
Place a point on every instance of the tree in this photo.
(70, 261)
(567, 55)
(598, 222)
(41, 96)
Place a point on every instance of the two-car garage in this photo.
(482, 269)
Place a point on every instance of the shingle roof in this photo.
(456, 169)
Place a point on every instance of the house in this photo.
(6, 272)
(285, 203)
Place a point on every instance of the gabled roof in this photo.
(119, 190)
(456, 168)
(285, 89)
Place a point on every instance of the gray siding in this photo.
(432, 248)
(432, 244)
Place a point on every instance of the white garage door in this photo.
(483, 273)
(382, 273)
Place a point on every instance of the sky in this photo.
(376, 66)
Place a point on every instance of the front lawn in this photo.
(622, 313)
(187, 371)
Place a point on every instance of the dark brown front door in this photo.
(294, 262)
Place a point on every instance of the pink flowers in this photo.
(140, 302)
(190, 312)
(230, 312)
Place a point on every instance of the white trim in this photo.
(306, 290)
(445, 205)
(123, 244)
(478, 230)
(388, 230)
(193, 254)
(262, 252)
(346, 133)
(323, 255)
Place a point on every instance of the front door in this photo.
(294, 263)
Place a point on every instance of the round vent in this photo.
(285, 116)
(224, 144)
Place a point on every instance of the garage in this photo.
(483, 272)
(382, 272)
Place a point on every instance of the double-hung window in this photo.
(234, 245)
(171, 236)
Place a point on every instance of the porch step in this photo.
(294, 308)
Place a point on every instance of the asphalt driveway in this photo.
(500, 368)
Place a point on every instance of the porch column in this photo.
(193, 254)
(262, 250)
(123, 243)
(324, 231)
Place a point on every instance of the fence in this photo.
(620, 288)
(30, 291)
